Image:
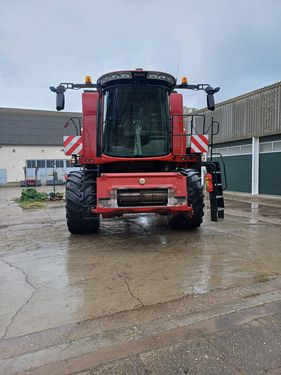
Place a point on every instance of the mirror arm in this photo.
(62, 87)
(201, 86)
(210, 91)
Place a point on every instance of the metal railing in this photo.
(200, 128)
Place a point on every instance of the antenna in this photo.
(178, 64)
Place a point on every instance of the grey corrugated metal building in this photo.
(33, 127)
(250, 140)
(30, 138)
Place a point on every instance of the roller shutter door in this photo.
(238, 163)
(239, 173)
(270, 173)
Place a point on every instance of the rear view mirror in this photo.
(60, 101)
(211, 102)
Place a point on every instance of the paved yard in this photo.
(139, 298)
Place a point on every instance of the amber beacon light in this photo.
(184, 81)
(88, 79)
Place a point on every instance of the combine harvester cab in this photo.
(134, 154)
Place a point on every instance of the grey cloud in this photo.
(226, 43)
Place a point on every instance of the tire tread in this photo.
(75, 199)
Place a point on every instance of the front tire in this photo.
(195, 199)
(80, 196)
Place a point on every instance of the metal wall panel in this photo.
(255, 114)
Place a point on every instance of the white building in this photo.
(30, 138)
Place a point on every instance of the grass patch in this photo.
(31, 194)
(27, 205)
(31, 199)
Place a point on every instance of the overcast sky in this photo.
(227, 43)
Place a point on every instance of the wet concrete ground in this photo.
(66, 297)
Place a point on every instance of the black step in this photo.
(216, 198)
(221, 212)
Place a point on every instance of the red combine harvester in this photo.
(135, 153)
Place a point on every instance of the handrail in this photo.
(193, 128)
(212, 130)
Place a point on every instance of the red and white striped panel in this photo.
(199, 143)
(72, 144)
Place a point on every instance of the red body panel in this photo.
(111, 212)
(89, 109)
(172, 180)
(108, 184)
(176, 111)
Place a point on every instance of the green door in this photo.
(238, 172)
(270, 173)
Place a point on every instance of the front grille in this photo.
(142, 197)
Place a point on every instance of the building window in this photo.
(277, 146)
(222, 151)
(266, 147)
(59, 163)
(41, 163)
(274, 146)
(246, 149)
(50, 163)
(234, 150)
(31, 163)
(46, 163)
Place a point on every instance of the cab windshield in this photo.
(136, 121)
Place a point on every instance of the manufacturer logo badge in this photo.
(142, 181)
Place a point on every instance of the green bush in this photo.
(32, 195)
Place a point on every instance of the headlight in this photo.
(109, 202)
(162, 76)
(114, 76)
(175, 201)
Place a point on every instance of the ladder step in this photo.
(220, 209)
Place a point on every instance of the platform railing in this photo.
(200, 128)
